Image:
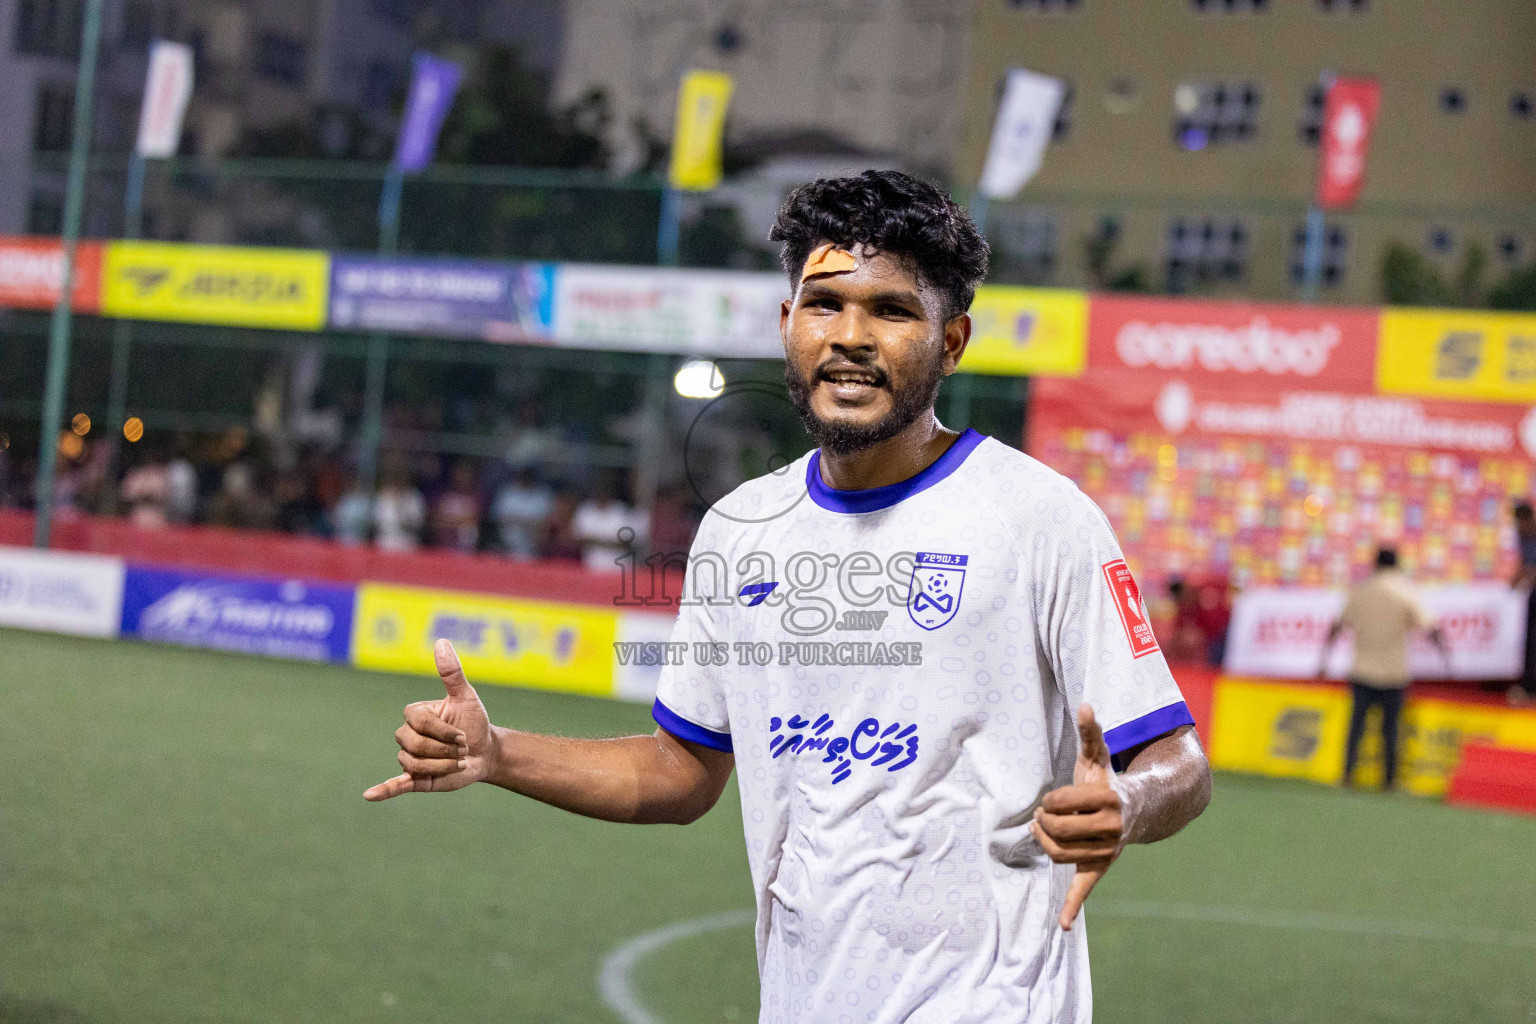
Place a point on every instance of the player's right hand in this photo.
(444, 744)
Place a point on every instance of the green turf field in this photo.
(183, 838)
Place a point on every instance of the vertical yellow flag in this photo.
(702, 100)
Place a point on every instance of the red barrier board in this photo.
(1495, 778)
(283, 555)
(31, 270)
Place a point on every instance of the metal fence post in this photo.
(58, 331)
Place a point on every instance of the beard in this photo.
(838, 437)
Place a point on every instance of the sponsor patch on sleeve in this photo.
(1127, 598)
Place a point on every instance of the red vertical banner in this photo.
(1349, 115)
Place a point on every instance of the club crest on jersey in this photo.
(934, 595)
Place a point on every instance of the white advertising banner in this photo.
(61, 592)
(689, 312)
(1279, 633)
(635, 678)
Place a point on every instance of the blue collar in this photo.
(876, 498)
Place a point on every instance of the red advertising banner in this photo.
(1349, 116)
(31, 270)
(1239, 345)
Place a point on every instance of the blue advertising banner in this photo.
(447, 298)
(278, 618)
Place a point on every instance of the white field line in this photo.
(617, 992)
(620, 996)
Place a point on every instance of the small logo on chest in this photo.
(933, 598)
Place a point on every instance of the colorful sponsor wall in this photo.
(1280, 445)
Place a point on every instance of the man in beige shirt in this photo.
(1382, 612)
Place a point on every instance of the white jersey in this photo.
(898, 672)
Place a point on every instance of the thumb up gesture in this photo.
(1084, 823)
(445, 744)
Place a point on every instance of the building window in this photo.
(1230, 6)
(1440, 240)
(1335, 255)
(1312, 103)
(1511, 248)
(1213, 113)
(1344, 6)
(45, 214)
(50, 28)
(379, 85)
(1453, 100)
(53, 118)
(138, 25)
(1045, 6)
(280, 58)
(1520, 106)
(398, 12)
(1205, 251)
(1025, 242)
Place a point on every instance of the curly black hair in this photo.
(893, 213)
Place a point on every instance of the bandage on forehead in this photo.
(828, 259)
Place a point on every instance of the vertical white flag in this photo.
(167, 89)
(1025, 119)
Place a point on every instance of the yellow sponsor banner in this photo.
(1027, 332)
(1452, 354)
(546, 645)
(216, 284)
(1299, 731)
(703, 97)
(1284, 729)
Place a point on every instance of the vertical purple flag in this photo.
(433, 85)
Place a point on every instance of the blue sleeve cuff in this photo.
(685, 730)
(1147, 727)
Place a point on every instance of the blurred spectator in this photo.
(521, 512)
(599, 524)
(1215, 599)
(298, 511)
(1187, 638)
(1524, 691)
(240, 505)
(561, 539)
(181, 486)
(351, 515)
(1382, 612)
(456, 513)
(673, 519)
(399, 512)
(145, 493)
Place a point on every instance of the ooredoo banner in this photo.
(1235, 344)
(60, 592)
(1279, 633)
(278, 618)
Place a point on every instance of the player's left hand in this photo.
(1084, 823)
